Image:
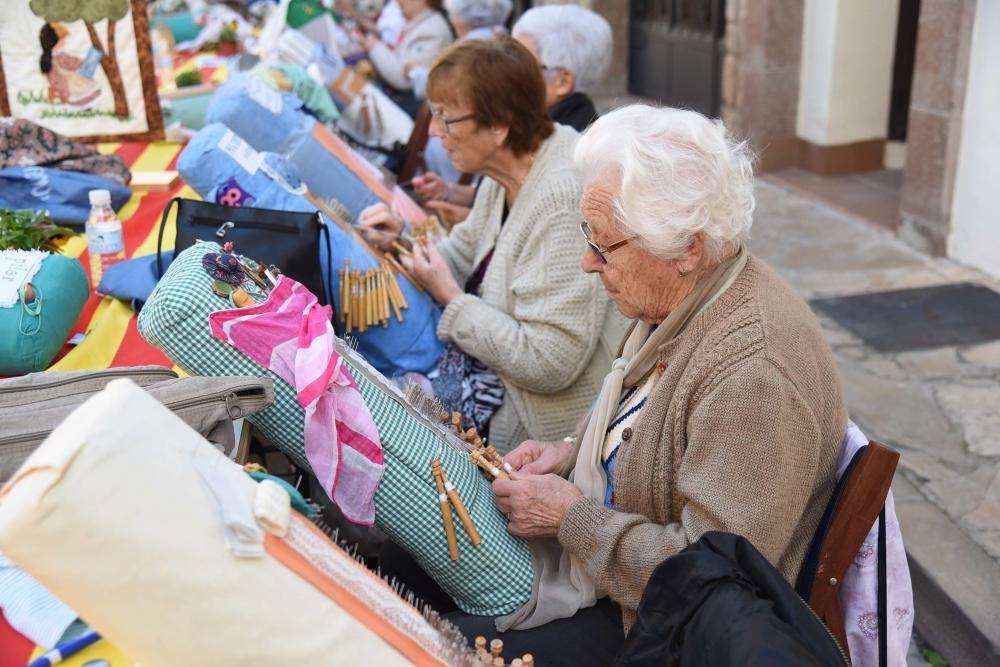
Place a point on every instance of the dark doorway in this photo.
(676, 51)
(902, 68)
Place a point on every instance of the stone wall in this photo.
(935, 126)
(760, 77)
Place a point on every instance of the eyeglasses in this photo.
(601, 251)
(438, 114)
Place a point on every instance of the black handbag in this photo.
(289, 240)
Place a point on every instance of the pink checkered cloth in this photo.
(290, 334)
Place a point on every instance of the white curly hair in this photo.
(570, 37)
(480, 13)
(676, 172)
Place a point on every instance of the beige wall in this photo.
(845, 81)
(975, 227)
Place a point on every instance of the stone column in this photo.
(935, 126)
(760, 78)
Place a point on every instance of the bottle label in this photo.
(105, 241)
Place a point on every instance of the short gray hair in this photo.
(677, 173)
(570, 37)
(480, 13)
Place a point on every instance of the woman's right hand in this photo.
(379, 225)
(430, 186)
(537, 457)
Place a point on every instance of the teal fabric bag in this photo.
(32, 334)
(491, 579)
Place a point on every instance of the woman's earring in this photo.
(682, 272)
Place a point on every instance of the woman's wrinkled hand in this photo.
(427, 266)
(535, 505)
(379, 225)
(537, 457)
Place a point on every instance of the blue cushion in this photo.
(64, 194)
(221, 167)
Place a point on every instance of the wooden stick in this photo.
(449, 526)
(496, 647)
(456, 502)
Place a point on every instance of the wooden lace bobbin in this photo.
(449, 525)
(480, 460)
(517, 662)
(496, 647)
(456, 502)
(480, 644)
(383, 287)
(456, 422)
(528, 660)
(394, 300)
(498, 662)
(494, 456)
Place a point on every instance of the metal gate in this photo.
(676, 51)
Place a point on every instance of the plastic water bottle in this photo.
(105, 242)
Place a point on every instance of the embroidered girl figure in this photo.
(66, 84)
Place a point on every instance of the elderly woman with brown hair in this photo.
(523, 324)
(723, 412)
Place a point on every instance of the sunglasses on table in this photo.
(602, 251)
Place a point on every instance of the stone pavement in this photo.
(940, 408)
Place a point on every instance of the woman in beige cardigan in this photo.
(723, 412)
(515, 302)
(425, 33)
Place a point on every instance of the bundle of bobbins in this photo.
(494, 656)
(369, 299)
(483, 455)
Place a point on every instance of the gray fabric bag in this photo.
(31, 406)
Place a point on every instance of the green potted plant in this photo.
(25, 229)
(228, 44)
(188, 78)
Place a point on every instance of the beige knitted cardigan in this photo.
(541, 323)
(741, 434)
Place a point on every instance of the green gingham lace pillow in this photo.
(491, 579)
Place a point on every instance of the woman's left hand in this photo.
(427, 266)
(535, 504)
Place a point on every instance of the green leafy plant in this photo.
(189, 77)
(228, 33)
(25, 229)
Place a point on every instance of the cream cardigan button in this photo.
(660, 368)
(627, 433)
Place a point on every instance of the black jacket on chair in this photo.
(720, 602)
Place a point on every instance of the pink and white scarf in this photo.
(290, 334)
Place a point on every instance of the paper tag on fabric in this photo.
(16, 268)
(244, 154)
(263, 94)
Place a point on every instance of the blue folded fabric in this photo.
(64, 194)
(133, 280)
(30, 608)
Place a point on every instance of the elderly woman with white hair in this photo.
(724, 411)
(573, 47)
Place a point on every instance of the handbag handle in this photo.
(159, 236)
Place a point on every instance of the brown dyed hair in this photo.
(502, 83)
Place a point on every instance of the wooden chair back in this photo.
(857, 501)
